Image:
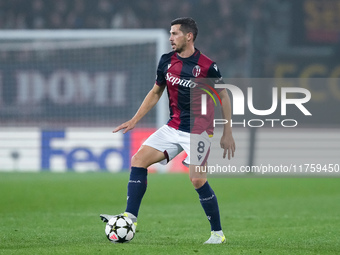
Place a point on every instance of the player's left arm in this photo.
(227, 142)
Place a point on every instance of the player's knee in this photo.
(137, 161)
(198, 182)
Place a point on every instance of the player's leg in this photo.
(160, 147)
(198, 152)
(144, 157)
(137, 184)
(208, 201)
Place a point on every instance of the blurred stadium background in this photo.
(70, 71)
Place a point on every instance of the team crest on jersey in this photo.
(196, 70)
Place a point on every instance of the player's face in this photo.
(178, 39)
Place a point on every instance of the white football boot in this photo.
(106, 217)
(217, 237)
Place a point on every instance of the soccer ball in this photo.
(120, 229)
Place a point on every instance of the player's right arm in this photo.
(149, 102)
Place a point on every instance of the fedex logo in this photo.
(84, 150)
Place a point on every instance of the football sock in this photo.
(136, 189)
(209, 203)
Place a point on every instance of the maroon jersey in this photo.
(182, 76)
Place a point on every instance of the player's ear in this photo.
(190, 36)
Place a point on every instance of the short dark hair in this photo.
(187, 25)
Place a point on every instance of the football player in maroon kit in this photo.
(175, 73)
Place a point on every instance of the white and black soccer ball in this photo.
(120, 229)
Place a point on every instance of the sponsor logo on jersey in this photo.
(196, 70)
(178, 81)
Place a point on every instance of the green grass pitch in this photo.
(49, 213)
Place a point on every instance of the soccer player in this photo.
(175, 73)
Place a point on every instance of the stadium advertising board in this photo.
(73, 149)
(315, 22)
(321, 77)
(61, 94)
(84, 150)
(65, 88)
(20, 149)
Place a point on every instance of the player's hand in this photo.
(228, 145)
(126, 126)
